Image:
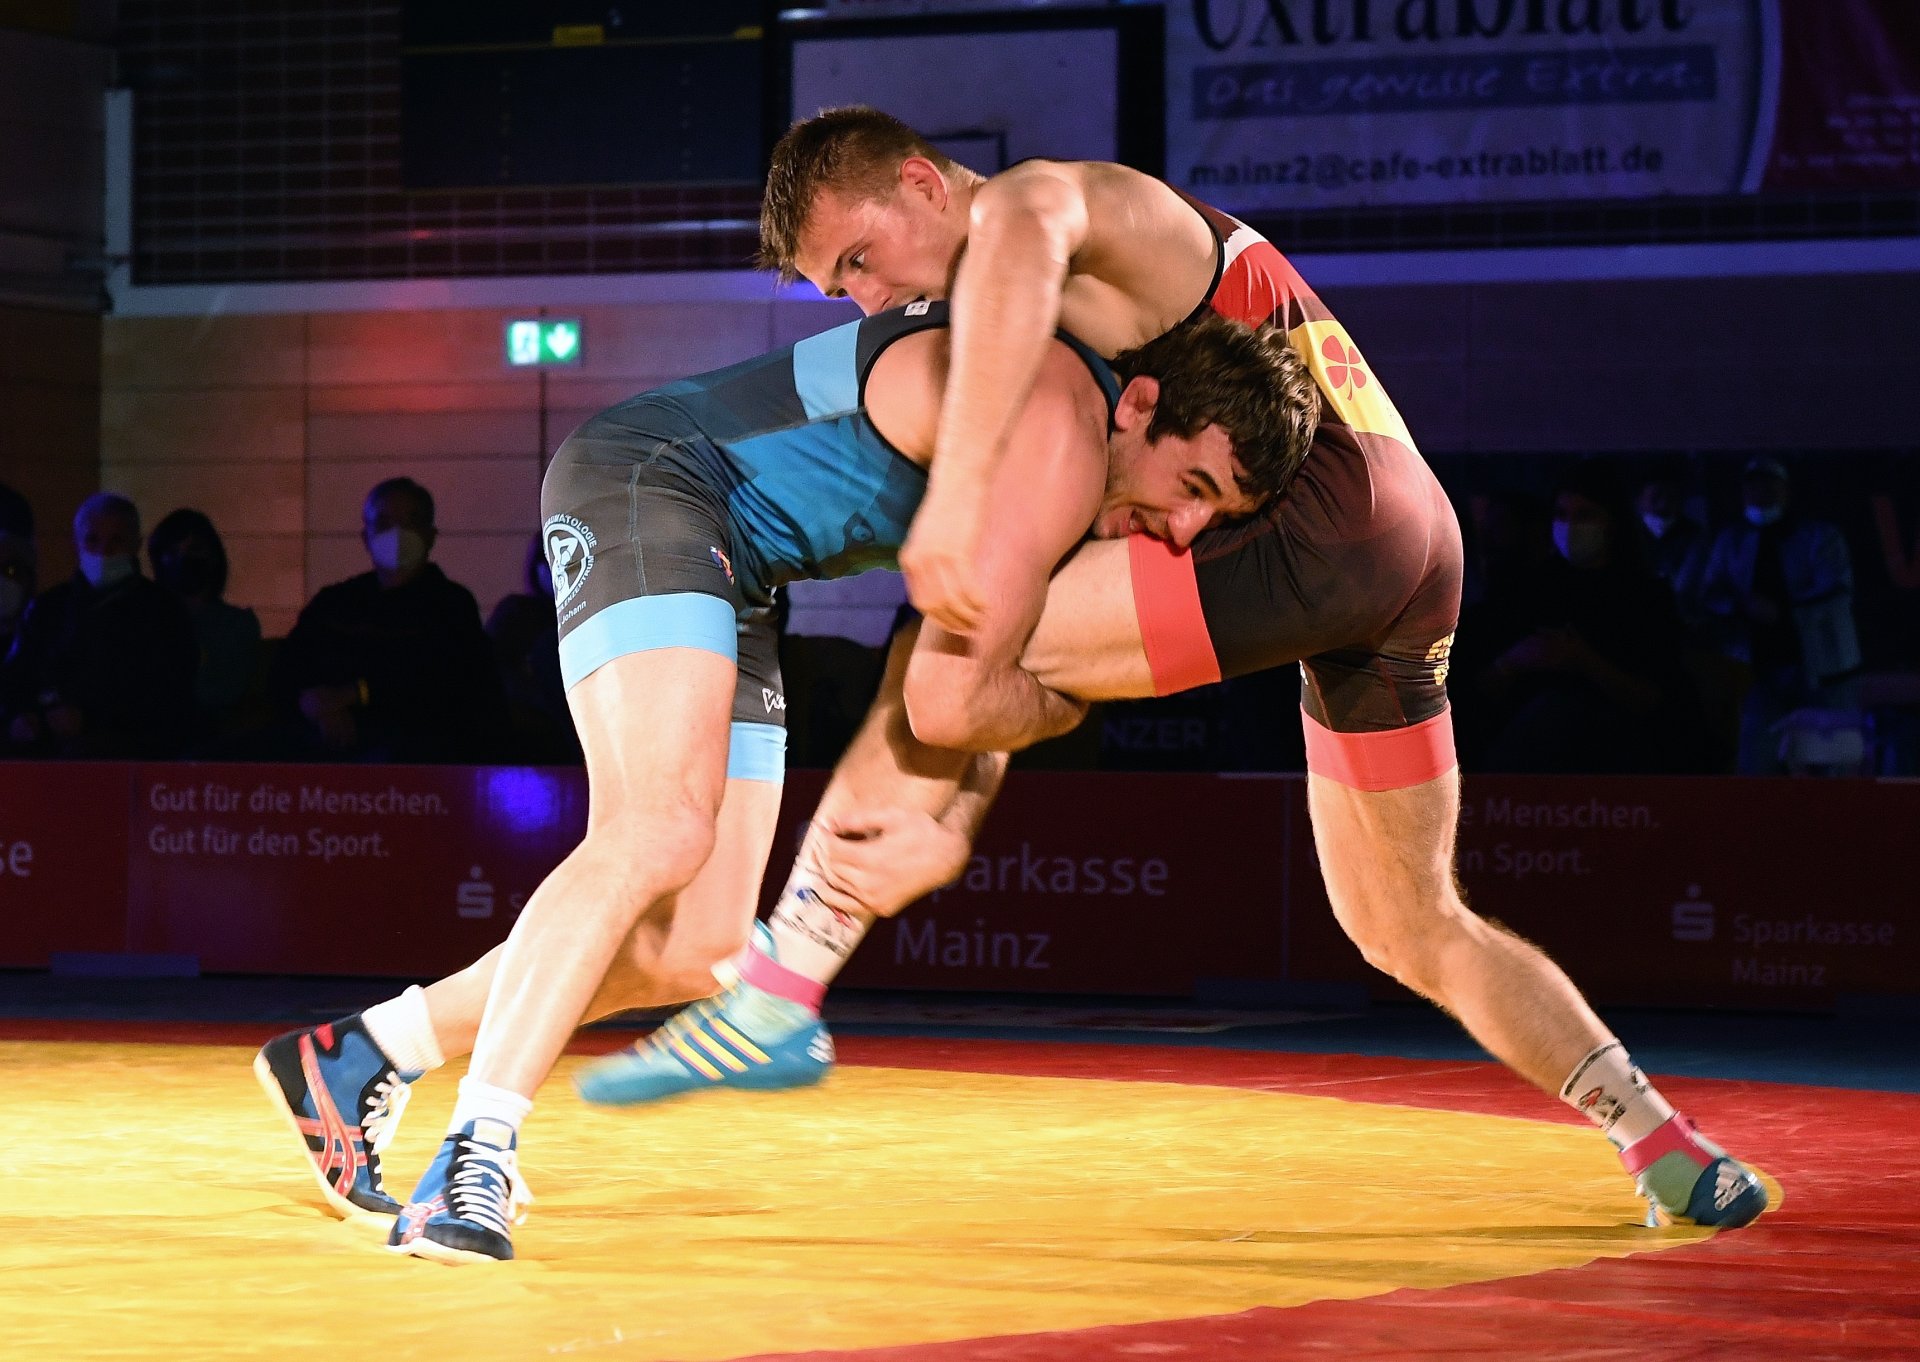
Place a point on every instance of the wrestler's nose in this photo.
(870, 294)
(1185, 523)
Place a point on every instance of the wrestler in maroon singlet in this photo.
(1354, 572)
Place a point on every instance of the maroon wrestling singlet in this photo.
(1353, 572)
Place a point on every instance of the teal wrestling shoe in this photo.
(744, 1038)
(1687, 1179)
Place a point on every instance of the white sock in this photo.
(403, 1029)
(1608, 1090)
(810, 938)
(483, 1102)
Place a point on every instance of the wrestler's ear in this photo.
(1137, 401)
(920, 176)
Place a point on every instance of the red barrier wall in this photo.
(1750, 893)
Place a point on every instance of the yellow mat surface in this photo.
(153, 1206)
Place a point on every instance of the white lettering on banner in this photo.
(212, 839)
(919, 941)
(1809, 930)
(1028, 873)
(1769, 975)
(1503, 811)
(333, 846)
(16, 859)
(1522, 863)
(1448, 101)
(319, 799)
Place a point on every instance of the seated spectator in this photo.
(526, 649)
(103, 663)
(1576, 667)
(190, 562)
(18, 571)
(1676, 544)
(392, 665)
(1781, 586)
(1506, 540)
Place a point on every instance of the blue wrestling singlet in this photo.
(671, 519)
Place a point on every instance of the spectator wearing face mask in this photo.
(1579, 669)
(526, 645)
(17, 563)
(392, 665)
(190, 563)
(1781, 586)
(102, 664)
(1676, 544)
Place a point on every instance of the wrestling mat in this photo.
(947, 1199)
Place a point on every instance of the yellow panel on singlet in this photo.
(1348, 385)
(155, 1208)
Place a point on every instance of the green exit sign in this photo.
(546, 341)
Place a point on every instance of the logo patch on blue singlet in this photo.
(569, 545)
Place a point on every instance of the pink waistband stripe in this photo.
(1395, 759)
(1173, 627)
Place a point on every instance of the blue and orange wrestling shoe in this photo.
(1687, 1179)
(744, 1038)
(469, 1200)
(343, 1097)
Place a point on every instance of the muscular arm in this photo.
(1024, 230)
(968, 691)
(1113, 256)
(1088, 642)
(898, 818)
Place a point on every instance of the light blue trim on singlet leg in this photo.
(679, 619)
(757, 752)
(823, 371)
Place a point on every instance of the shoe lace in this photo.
(389, 1103)
(486, 1187)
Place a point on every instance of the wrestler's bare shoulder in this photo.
(1147, 258)
(908, 382)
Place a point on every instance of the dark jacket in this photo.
(124, 657)
(418, 650)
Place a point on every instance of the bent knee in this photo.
(1411, 942)
(654, 851)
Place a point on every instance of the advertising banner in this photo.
(1849, 106)
(1304, 104)
(1768, 894)
(63, 860)
(382, 870)
(1087, 882)
(1680, 892)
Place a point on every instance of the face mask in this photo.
(1764, 515)
(1580, 544)
(397, 550)
(107, 570)
(189, 576)
(13, 598)
(1657, 525)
